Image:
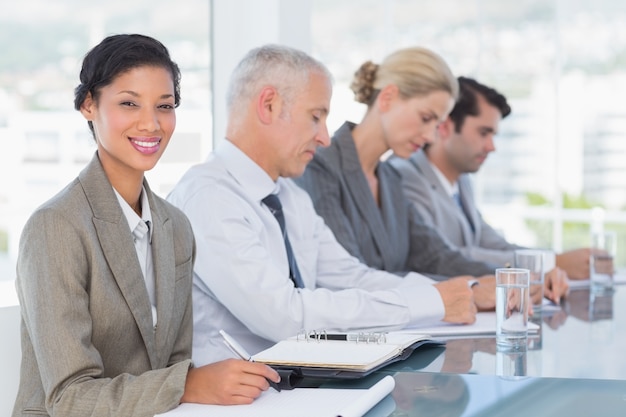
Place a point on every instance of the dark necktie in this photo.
(273, 203)
(457, 198)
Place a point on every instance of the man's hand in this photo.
(458, 300)
(232, 381)
(556, 285)
(575, 263)
(485, 293)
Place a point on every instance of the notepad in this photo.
(485, 324)
(300, 402)
(335, 354)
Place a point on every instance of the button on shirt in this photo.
(142, 236)
(241, 274)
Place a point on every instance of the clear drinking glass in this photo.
(512, 298)
(601, 266)
(533, 260)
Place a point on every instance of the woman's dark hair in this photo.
(117, 54)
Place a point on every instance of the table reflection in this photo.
(430, 394)
(584, 338)
(589, 306)
(447, 395)
(573, 366)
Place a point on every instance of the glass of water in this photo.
(532, 260)
(512, 305)
(601, 266)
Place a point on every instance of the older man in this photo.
(267, 270)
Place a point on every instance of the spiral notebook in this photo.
(341, 355)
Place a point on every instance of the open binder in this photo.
(351, 355)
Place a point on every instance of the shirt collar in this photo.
(248, 173)
(131, 217)
(449, 187)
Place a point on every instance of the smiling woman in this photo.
(128, 105)
(42, 48)
(124, 279)
(136, 111)
(98, 239)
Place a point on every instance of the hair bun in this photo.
(363, 82)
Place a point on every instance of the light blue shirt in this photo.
(241, 273)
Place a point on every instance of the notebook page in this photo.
(301, 402)
(485, 324)
(328, 353)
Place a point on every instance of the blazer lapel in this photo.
(467, 198)
(116, 241)
(420, 161)
(392, 203)
(360, 191)
(164, 271)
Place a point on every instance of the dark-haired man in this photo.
(436, 180)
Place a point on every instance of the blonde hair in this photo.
(415, 71)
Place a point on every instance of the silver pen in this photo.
(243, 354)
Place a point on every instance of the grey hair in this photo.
(284, 68)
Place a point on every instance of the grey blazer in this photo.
(423, 188)
(87, 336)
(391, 237)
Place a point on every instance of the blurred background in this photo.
(560, 164)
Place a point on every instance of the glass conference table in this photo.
(574, 366)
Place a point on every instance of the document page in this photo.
(485, 324)
(300, 402)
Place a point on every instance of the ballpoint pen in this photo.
(373, 337)
(243, 354)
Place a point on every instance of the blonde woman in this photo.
(361, 197)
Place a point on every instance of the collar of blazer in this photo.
(116, 241)
(360, 191)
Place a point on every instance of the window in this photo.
(562, 65)
(46, 142)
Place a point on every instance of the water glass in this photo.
(533, 260)
(512, 365)
(512, 298)
(601, 266)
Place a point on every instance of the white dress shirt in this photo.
(451, 188)
(241, 273)
(142, 236)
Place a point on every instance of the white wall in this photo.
(240, 25)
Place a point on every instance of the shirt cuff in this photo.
(423, 300)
